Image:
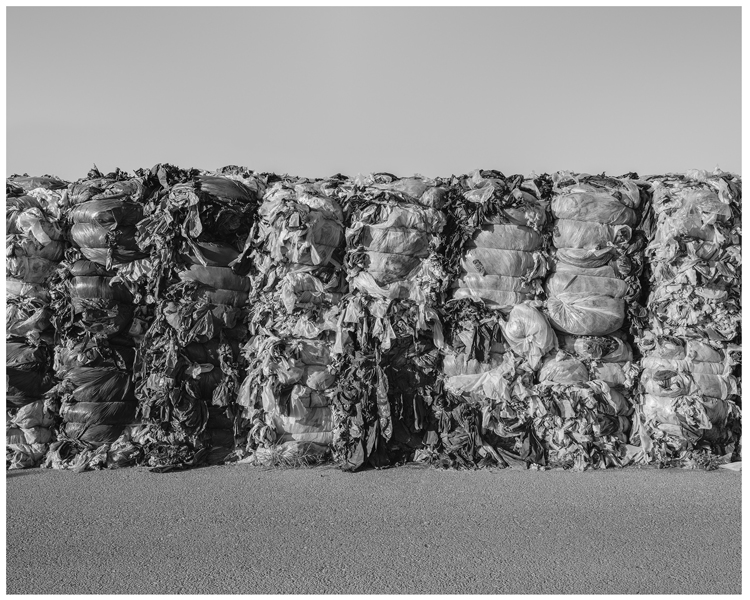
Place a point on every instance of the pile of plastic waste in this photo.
(294, 258)
(171, 318)
(495, 335)
(389, 330)
(35, 245)
(690, 383)
(191, 364)
(586, 387)
(99, 316)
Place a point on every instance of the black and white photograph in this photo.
(384, 299)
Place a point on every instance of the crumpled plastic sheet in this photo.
(294, 256)
(690, 393)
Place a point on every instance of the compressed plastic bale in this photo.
(586, 314)
(216, 277)
(529, 334)
(99, 413)
(506, 237)
(564, 369)
(585, 234)
(562, 281)
(597, 207)
(509, 263)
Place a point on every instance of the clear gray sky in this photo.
(316, 91)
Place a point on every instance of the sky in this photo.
(318, 91)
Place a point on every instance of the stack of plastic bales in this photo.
(190, 359)
(99, 319)
(295, 258)
(35, 245)
(691, 397)
(495, 336)
(586, 388)
(389, 331)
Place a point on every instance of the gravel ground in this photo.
(242, 529)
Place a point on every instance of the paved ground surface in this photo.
(241, 529)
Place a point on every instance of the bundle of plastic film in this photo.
(35, 245)
(100, 311)
(393, 236)
(192, 365)
(696, 257)
(595, 296)
(690, 396)
(494, 242)
(494, 249)
(598, 243)
(295, 259)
